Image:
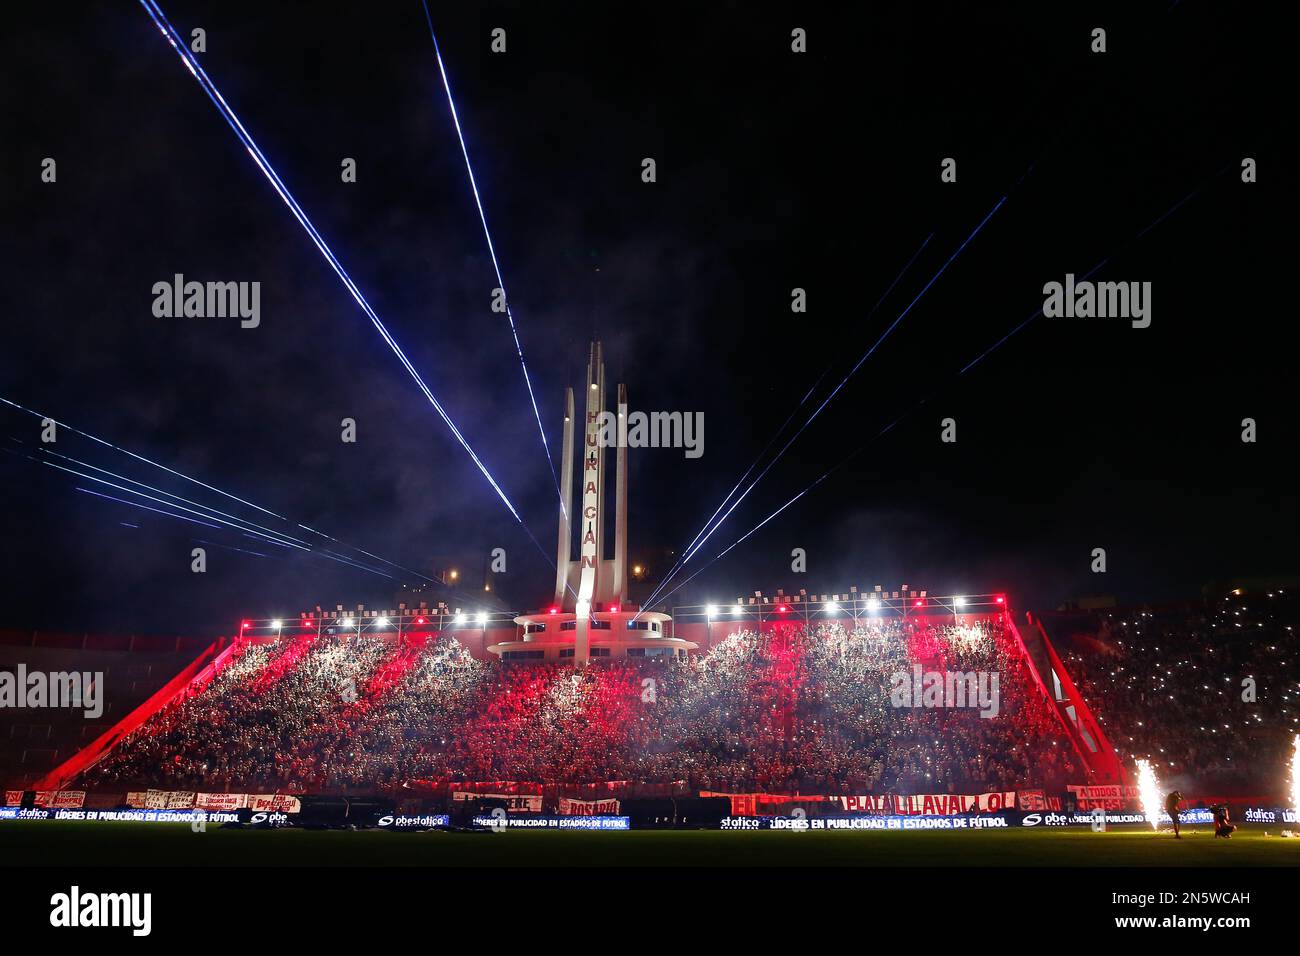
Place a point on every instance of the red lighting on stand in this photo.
(781, 609)
(613, 609)
(554, 610)
(244, 625)
(419, 620)
(1001, 599)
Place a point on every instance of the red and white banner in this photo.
(13, 798)
(274, 803)
(220, 801)
(946, 804)
(1038, 800)
(148, 799)
(61, 799)
(742, 804)
(518, 802)
(588, 808)
(931, 804)
(868, 804)
(1108, 796)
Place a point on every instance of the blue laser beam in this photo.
(1037, 312)
(677, 565)
(496, 265)
(232, 120)
(226, 547)
(141, 494)
(835, 391)
(207, 524)
(109, 444)
(1094, 270)
(213, 488)
(168, 494)
(853, 371)
(136, 504)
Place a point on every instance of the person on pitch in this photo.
(1222, 828)
(1171, 807)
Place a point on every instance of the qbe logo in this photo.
(1049, 820)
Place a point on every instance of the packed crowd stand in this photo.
(1209, 694)
(796, 710)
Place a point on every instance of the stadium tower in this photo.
(590, 615)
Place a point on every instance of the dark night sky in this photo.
(775, 171)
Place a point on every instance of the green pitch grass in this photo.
(74, 843)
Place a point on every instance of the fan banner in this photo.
(518, 802)
(588, 808)
(932, 804)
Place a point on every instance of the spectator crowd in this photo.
(1210, 694)
(796, 709)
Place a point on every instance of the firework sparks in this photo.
(1295, 776)
(1149, 792)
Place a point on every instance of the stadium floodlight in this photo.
(736, 609)
(347, 622)
(460, 618)
(711, 610)
(482, 617)
(277, 624)
(381, 622)
(873, 605)
(959, 601)
(831, 607)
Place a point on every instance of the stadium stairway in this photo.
(65, 764)
(1090, 741)
(128, 671)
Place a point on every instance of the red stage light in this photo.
(613, 609)
(419, 620)
(918, 603)
(1002, 600)
(245, 624)
(780, 609)
(555, 610)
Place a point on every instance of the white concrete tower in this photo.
(591, 582)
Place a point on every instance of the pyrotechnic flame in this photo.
(1295, 776)
(1149, 791)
